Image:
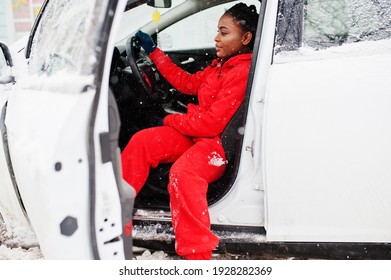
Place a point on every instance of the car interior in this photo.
(144, 97)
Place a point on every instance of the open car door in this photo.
(62, 128)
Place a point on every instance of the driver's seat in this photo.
(154, 194)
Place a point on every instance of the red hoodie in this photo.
(220, 89)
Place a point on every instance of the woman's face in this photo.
(230, 39)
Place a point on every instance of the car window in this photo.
(321, 24)
(3, 65)
(61, 42)
(196, 31)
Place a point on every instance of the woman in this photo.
(192, 140)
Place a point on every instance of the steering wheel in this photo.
(137, 57)
(143, 69)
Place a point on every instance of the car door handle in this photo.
(187, 61)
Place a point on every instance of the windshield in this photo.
(136, 18)
(175, 28)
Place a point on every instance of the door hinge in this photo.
(250, 148)
(105, 147)
(258, 186)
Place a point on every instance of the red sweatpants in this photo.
(196, 164)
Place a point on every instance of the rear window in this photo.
(320, 24)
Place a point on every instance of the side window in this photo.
(196, 31)
(321, 24)
(61, 41)
(335, 22)
(5, 65)
(4, 68)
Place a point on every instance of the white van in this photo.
(309, 153)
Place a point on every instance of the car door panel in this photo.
(330, 159)
(327, 134)
(47, 143)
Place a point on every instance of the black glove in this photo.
(146, 41)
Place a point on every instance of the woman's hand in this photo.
(146, 41)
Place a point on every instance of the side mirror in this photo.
(6, 64)
(159, 3)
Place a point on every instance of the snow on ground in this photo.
(7, 253)
(19, 243)
(18, 249)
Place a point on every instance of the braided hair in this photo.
(246, 17)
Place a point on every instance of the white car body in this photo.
(315, 156)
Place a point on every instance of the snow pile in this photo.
(17, 242)
(216, 160)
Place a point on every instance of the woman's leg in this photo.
(188, 185)
(149, 147)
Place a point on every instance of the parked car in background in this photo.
(308, 152)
